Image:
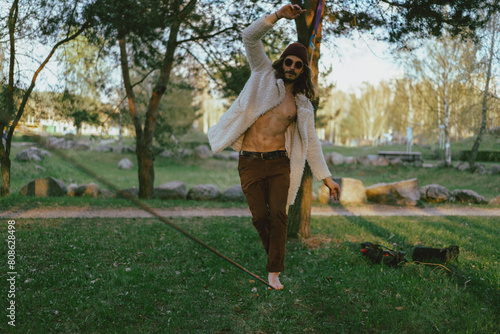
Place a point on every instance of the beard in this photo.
(287, 80)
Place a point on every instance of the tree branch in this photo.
(205, 37)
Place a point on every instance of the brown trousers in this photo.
(265, 184)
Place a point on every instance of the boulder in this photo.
(71, 189)
(233, 194)
(103, 148)
(396, 162)
(468, 196)
(364, 160)
(203, 152)
(55, 143)
(166, 154)
(81, 146)
(171, 190)
(494, 169)
(204, 192)
(350, 160)
(435, 193)
(106, 193)
(44, 187)
(462, 166)
(323, 194)
(397, 193)
(352, 191)
(380, 161)
(336, 158)
(32, 154)
(480, 169)
(125, 163)
(87, 190)
(495, 201)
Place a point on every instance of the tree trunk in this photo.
(484, 111)
(299, 215)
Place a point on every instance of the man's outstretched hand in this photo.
(334, 188)
(290, 12)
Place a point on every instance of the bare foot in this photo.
(274, 281)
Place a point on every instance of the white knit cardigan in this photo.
(263, 92)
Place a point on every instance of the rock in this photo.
(68, 144)
(435, 193)
(233, 194)
(203, 152)
(171, 190)
(44, 187)
(323, 194)
(350, 160)
(495, 201)
(234, 156)
(480, 169)
(494, 169)
(71, 189)
(396, 162)
(336, 158)
(134, 191)
(364, 160)
(380, 161)
(396, 193)
(87, 190)
(118, 149)
(81, 146)
(32, 154)
(204, 192)
(183, 153)
(468, 196)
(103, 148)
(352, 191)
(106, 193)
(462, 166)
(128, 149)
(55, 143)
(125, 163)
(166, 154)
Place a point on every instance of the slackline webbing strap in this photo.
(146, 208)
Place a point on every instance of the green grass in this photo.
(140, 276)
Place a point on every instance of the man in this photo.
(271, 124)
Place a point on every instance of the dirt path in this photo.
(365, 210)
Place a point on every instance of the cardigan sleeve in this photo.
(315, 156)
(252, 40)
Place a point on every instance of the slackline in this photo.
(145, 207)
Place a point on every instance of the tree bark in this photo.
(484, 111)
(299, 215)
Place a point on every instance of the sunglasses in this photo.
(298, 64)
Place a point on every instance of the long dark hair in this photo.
(303, 84)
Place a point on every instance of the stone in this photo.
(336, 158)
(203, 152)
(125, 163)
(364, 160)
(352, 191)
(87, 190)
(323, 194)
(396, 193)
(55, 143)
(204, 192)
(134, 191)
(435, 193)
(44, 187)
(396, 162)
(233, 194)
(462, 166)
(494, 169)
(71, 190)
(468, 196)
(106, 193)
(171, 190)
(350, 160)
(495, 201)
(480, 169)
(234, 156)
(81, 146)
(166, 154)
(32, 154)
(103, 148)
(68, 144)
(380, 161)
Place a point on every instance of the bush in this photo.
(486, 156)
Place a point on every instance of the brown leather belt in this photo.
(265, 155)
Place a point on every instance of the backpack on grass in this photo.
(381, 254)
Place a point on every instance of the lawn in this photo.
(140, 276)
